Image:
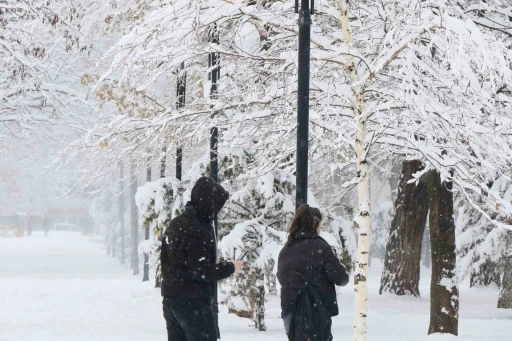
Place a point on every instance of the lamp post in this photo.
(304, 22)
(213, 64)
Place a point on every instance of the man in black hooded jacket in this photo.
(189, 266)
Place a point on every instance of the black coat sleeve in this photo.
(200, 259)
(333, 268)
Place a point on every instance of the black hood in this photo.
(208, 197)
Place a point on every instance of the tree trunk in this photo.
(426, 248)
(163, 163)
(444, 293)
(145, 276)
(113, 240)
(121, 212)
(259, 313)
(401, 274)
(363, 223)
(363, 218)
(505, 298)
(271, 278)
(134, 259)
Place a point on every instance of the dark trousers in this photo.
(287, 320)
(189, 320)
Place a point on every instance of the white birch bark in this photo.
(363, 223)
(362, 220)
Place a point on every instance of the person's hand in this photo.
(238, 264)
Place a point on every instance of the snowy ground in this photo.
(64, 288)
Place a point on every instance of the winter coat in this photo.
(189, 248)
(327, 271)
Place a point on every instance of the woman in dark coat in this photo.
(291, 268)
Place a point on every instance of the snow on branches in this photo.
(158, 203)
(40, 82)
(428, 80)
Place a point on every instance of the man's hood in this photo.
(208, 197)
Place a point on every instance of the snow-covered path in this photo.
(64, 288)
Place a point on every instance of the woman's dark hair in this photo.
(306, 219)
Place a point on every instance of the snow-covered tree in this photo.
(258, 216)
(484, 251)
(428, 81)
(158, 203)
(401, 274)
(40, 50)
(411, 85)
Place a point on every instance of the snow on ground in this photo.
(65, 288)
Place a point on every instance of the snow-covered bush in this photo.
(158, 202)
(338, 232)
(262, 244)
(258, 217)
(255, 220)
(481, 247)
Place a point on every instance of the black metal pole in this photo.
(180, 103)
(303, 102)
(179, 160)
(214, 159)
(213, 63)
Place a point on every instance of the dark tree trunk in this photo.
(134, 259)
(163, 163)
(145, 276)
(444, 293)
(505, 298)
(401, 274)
(259, 313)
